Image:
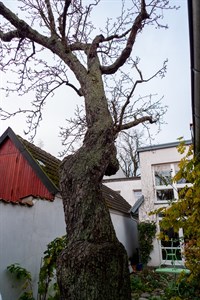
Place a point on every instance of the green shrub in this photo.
(24, 275)
(147, 232)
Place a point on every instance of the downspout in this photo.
(194, 25)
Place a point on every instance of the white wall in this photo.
(25, 232)
(125, 186)
(126, 232)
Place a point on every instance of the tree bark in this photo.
(94, 265)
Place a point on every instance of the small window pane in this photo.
(164, 195)
(137, 194)
(182, 180)
(163, 175)
(171, 248)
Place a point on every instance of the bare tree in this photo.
(127, 152)
(94, 263)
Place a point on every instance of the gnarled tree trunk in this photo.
(94, 264)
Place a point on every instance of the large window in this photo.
(165, 189)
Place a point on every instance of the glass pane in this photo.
(163, 174)
(172, 236)
(137, 194)
(182, 180)
(164, 195)
(171, 248)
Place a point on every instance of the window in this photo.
(165, 189)
(182, 180)
(163, 174)
(171, 246)
(164, 194)
(137, 194)
(171, 249)
(163, 182)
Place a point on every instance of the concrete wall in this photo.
(25, 232)
(126, 187)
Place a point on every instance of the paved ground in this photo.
(145, 296)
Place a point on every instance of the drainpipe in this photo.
(194, 25)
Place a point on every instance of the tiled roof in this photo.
(29, 204)
(49, 165)
(115, 201)
(47, 162)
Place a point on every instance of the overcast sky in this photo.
(153, 47)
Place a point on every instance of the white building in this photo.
(129, 188)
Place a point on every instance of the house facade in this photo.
(31, 210)
(129, 188)
(158, 164)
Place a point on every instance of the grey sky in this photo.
(153, 47)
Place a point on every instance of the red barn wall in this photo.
(17, 178)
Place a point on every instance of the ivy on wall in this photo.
(147, 233)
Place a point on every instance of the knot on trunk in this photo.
(113, 167)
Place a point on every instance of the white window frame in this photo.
(173, 186)
(181, 247)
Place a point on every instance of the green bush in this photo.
(147, 232)
(24, 275)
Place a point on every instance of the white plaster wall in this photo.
(25, 232)
(126, 232)
(126, 186)
(155, 255)
(147, 160)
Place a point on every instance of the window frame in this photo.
(174, 186)
(163, 249)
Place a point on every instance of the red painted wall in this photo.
(17, 178)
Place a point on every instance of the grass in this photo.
(163, 287)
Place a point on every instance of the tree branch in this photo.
(64, 17)
(8, 36)
(116, 36)
(160, 72)
(137, 26)
(78, 91)
(92, 53)
(23, 29)
(78, 46)
(51, 17)
(136, 122)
